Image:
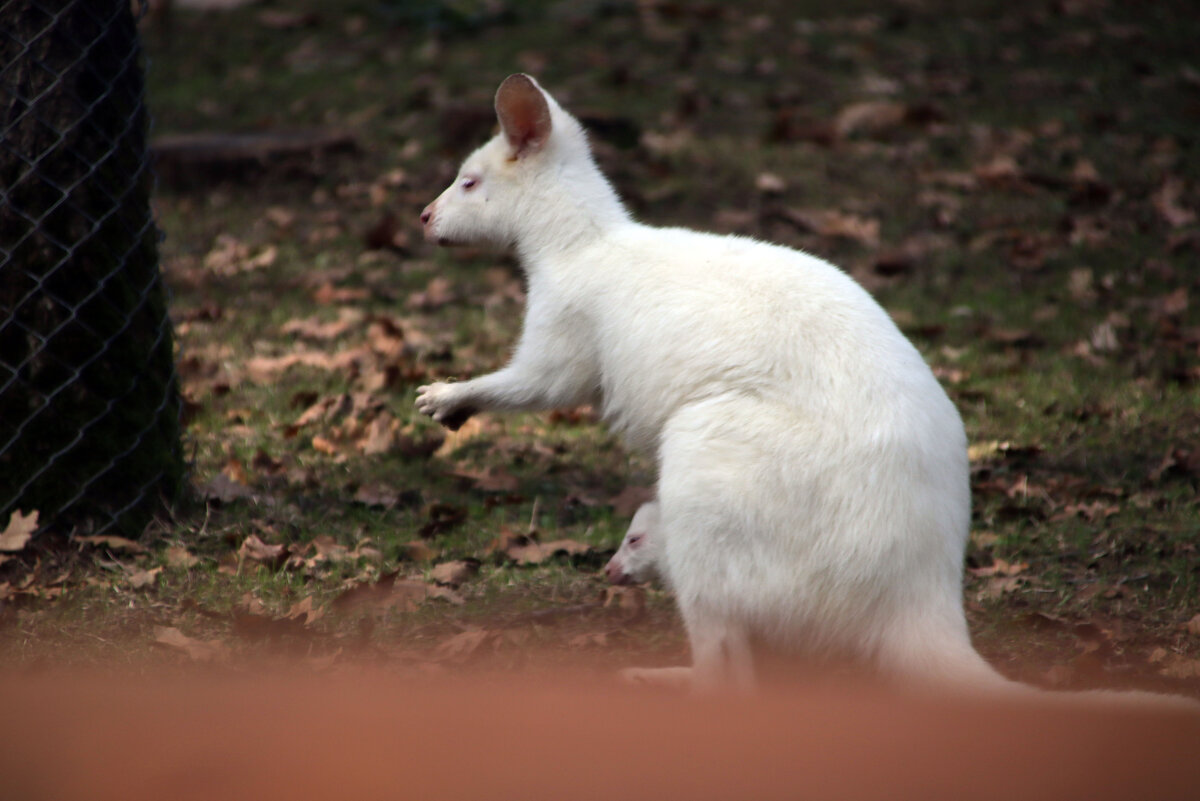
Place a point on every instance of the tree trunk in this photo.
(89, 407)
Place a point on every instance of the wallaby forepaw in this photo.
(438, 401)
(434, 400)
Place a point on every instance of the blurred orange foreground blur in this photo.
(373, 735)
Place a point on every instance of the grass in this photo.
(1039, 294)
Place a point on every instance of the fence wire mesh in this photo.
(89, 407)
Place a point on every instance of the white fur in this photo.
(640, 555)
(813, 492)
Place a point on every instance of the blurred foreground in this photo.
(371, 734)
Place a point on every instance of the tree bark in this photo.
(89, 406)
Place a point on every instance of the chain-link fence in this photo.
(89, 407)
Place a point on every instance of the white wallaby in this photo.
(813, 480)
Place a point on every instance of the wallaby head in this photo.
(533, 182)
(639, 557)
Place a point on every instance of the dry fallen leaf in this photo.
(769, 183)
(1085, 171)
(507, 538)
(1174, 303)
(1014, 337)
(326, 548)
(236, 471)
(254, 548)
(1096, 510)
(958, 180)
(179, 556)
(328, 447)
(377, 494)
(574, 415)
(419, 445)
(999, 567)
(304, 609)
(1000, 585)
(327, 294)
(835, 224)
(198, 650)
(382, 435)
(1104, 338)
(589, 640)
(534, 553)
(356, 421)
(266, 368)
(441, 518)
(321, 664)
(1180, 667)
(1081, 285)
(112, 542)
(1000, 171)
(1179, 461)
(230, 256)
(456, 439)
(493, 479)
(225, 490)
(461, 646)
(1059, 676)
(445, 594)
(981, 451)
(631, 600)
(327, 409)
(394, 337)
(1166, 202)
(984, 539)
(872, 117)
(454, 573)
(140, 579)
(387, 593)
(252, 604)
(314, 328)
(660, 144)
(417, 551)
(438, 293)
(18, 531)
(951, 375)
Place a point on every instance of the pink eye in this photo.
(635, 539)
(469, 182)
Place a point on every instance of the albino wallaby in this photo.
(813, 481)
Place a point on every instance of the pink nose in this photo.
(427, 214)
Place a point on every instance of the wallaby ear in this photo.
(524, 115)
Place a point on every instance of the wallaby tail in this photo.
(942, 661)
(950, 662)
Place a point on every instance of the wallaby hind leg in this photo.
(722, 660)
(721, 655)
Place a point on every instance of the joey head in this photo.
(637, 560)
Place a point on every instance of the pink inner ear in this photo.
(523, 113)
